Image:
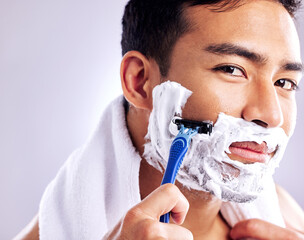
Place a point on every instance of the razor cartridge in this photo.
(202, 127)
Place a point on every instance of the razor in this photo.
(179, 147)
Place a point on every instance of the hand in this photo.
(261, 230)
(142, 221)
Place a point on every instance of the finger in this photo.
(256, 228)
(164, 199)
(172, 231)
(151, 229)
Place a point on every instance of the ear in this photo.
(136, 79)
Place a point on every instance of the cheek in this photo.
(289, 109)
(211, 98)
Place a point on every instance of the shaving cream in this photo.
(206, 166)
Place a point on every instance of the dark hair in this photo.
(152, 27)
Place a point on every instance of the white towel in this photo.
(96, 186)
(265, 207)
(100, 182)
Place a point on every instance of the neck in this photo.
(204, 219)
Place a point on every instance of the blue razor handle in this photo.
(179, 148)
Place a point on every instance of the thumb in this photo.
(259, 229)
(164, 199)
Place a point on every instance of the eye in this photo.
(286, 84)
(231, 70)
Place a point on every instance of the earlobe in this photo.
(135, 79)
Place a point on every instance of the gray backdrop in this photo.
(59, 68)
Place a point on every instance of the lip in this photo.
(250, 152)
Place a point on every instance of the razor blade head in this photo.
(204, 127)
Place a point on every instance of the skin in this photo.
(249, 91)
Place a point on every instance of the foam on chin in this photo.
(206, 166)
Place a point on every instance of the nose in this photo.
(263, 106)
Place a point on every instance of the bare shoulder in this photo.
(292, 212)
(30, 232)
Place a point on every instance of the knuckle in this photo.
(140, 228)
(171, 189)
(148, 229)
(251, 226)
(131, 216)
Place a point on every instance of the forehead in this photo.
(261, 25)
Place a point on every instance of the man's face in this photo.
(244, 63)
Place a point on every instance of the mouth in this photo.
(250, 152)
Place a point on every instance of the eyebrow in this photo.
(298, 67)
(233, 49)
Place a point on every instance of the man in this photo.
(241, 58)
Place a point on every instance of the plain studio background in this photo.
(59, 68)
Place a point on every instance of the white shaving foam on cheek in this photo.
(206, 166)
